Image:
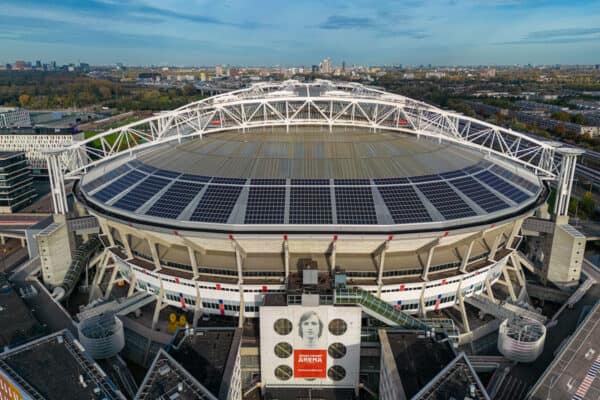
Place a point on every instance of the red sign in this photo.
(310, 363)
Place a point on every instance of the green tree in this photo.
(562, 116)
(579, 119)
(587, 204)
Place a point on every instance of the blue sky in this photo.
(302, 32)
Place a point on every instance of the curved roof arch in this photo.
(325, 103)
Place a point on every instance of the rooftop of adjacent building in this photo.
(166, 378)
(418, 358)
(57, 367)
(17, 323)
(7, 155)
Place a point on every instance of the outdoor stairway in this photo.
(390, 315)
(502, 311)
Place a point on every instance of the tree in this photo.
(562, 116)
(587, 204)
(579, 119)
(24, 100)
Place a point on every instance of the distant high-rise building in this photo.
(326, 66)
(315, 69)
(19, 65)
(38, 64)
(343, 66)
(219, 70)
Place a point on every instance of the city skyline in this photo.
(136, 32)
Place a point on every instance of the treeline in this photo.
(49, 90)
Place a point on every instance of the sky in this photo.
(301, 32)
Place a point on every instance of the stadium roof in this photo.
(310, 179)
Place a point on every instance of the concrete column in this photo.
(513, 233)
(422, 303)
(465, 260)
(238, 262)
(132, 283)
(2, 239)
(425, 275)
(461, 307)
(511, 290)
(154, 253)
(158, 307)
(106, 230)
(111, 282)
(381, 267)
(242, 306)
(333, 253)
(198, 306)
(193, 262)
(488, 289)
(23, 243)
(494, 249)
(125, 238)
(286, 258)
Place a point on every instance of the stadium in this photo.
(213, 205)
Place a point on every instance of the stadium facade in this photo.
(218, 203)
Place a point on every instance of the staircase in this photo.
(502, 311)
(377, 308)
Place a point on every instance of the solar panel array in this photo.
(175, 200)
(479, 194)
(102, 179)
(502, 186)
(140, 194)
(216, 204)
(404, 204)
(521, 182)
(354, 205)
(311, 201)
(310, 205)
(266, 205)
(445, 199)
(118, 186)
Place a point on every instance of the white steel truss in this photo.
(291, 103)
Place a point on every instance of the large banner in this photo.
(310, 345)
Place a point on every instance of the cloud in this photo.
(335, 22)
(559, 33)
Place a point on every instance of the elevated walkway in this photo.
(377, 308)
(122, 306)
(390, 315)
(502, 311)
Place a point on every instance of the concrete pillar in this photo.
(198, 306)
(23, 243)
(511, 290)
(422, 303)
(381, 267)
(111, 282)
(425, 275)
(106, 230)
(242, 306)
(2, 240)
(494, 249)
(193, 261)
(333, 252)
(286, 258)
(465, 260)
(462, 309)
(488, 289)
(158, 307)
(132, 283)
(125, 238)
(513, 233)
(154, 253)
(516, 266)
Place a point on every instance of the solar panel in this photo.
(118, 186)
(479, 194)
(355, 206)
(352, 182)
(391, 181)
(404, 204)
(502, 186)
(474, 168)
(266, 205)
(216, 204)
(194, 178)
(167, 174)
(424, 178)
(141, 193)
(310, 205)
(109, 176)
(452, 174)
(267, 182)
(445, 199)
(135, 163)
(230, 181)
(514, 178)
(175, 199)
(310, 182)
